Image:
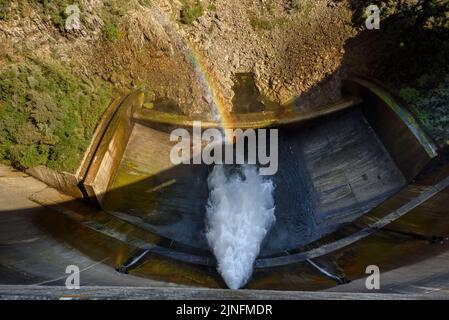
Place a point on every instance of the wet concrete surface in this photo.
(37, 243)
(32, 255)
(332, 171)
(329, 174)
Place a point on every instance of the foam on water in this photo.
(240, 212)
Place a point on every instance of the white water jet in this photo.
(240, 212)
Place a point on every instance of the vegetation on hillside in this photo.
(416, 63)
(260, 23)
(430, 103)
(54, 12)
(191, 10)
(47, 115)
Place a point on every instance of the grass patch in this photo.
(47, 116)
(269, 6)
(54, 11)
(264, 24)
(112, 14)
(191, 11)
(304, 7)
(145, 3)
(410, 95)
(212, 7)
(258, 23)
(110, 31)
(5, 6)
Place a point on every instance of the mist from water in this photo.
(240, 212)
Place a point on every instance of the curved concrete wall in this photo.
(331, 171)
(347, 168)
(99, 133)
(404, 139)
(109, 153)
(283, 116)
(67, 182)
(341, 153)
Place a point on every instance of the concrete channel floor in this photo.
(428, 277)
(33, 264)
(30, 257)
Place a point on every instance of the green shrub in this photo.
(112, 14)
(54, 10)
(191, 11)
(295, 4)
(47, 115)
(4, 9)
(409, 95)
(432, 109)
(269, 6)
(303, 7)
(260, 23)
(145, 3)
(110, 31)
(212, 7)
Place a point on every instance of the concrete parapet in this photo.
(252, 120)
(63, 181)
(109, 152)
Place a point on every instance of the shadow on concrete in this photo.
(37, 243)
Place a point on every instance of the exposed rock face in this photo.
(290, 52)
(152, 54)
(293, 52)
(142, 27)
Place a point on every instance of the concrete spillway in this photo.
(340, 172)
(329, 174)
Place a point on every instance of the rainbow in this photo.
(206, 78)
(205, 75)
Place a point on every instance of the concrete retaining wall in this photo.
(110, 150)
(407, 143)
(102, 126)
(255, 120)
(63, 181)
(69, 183)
